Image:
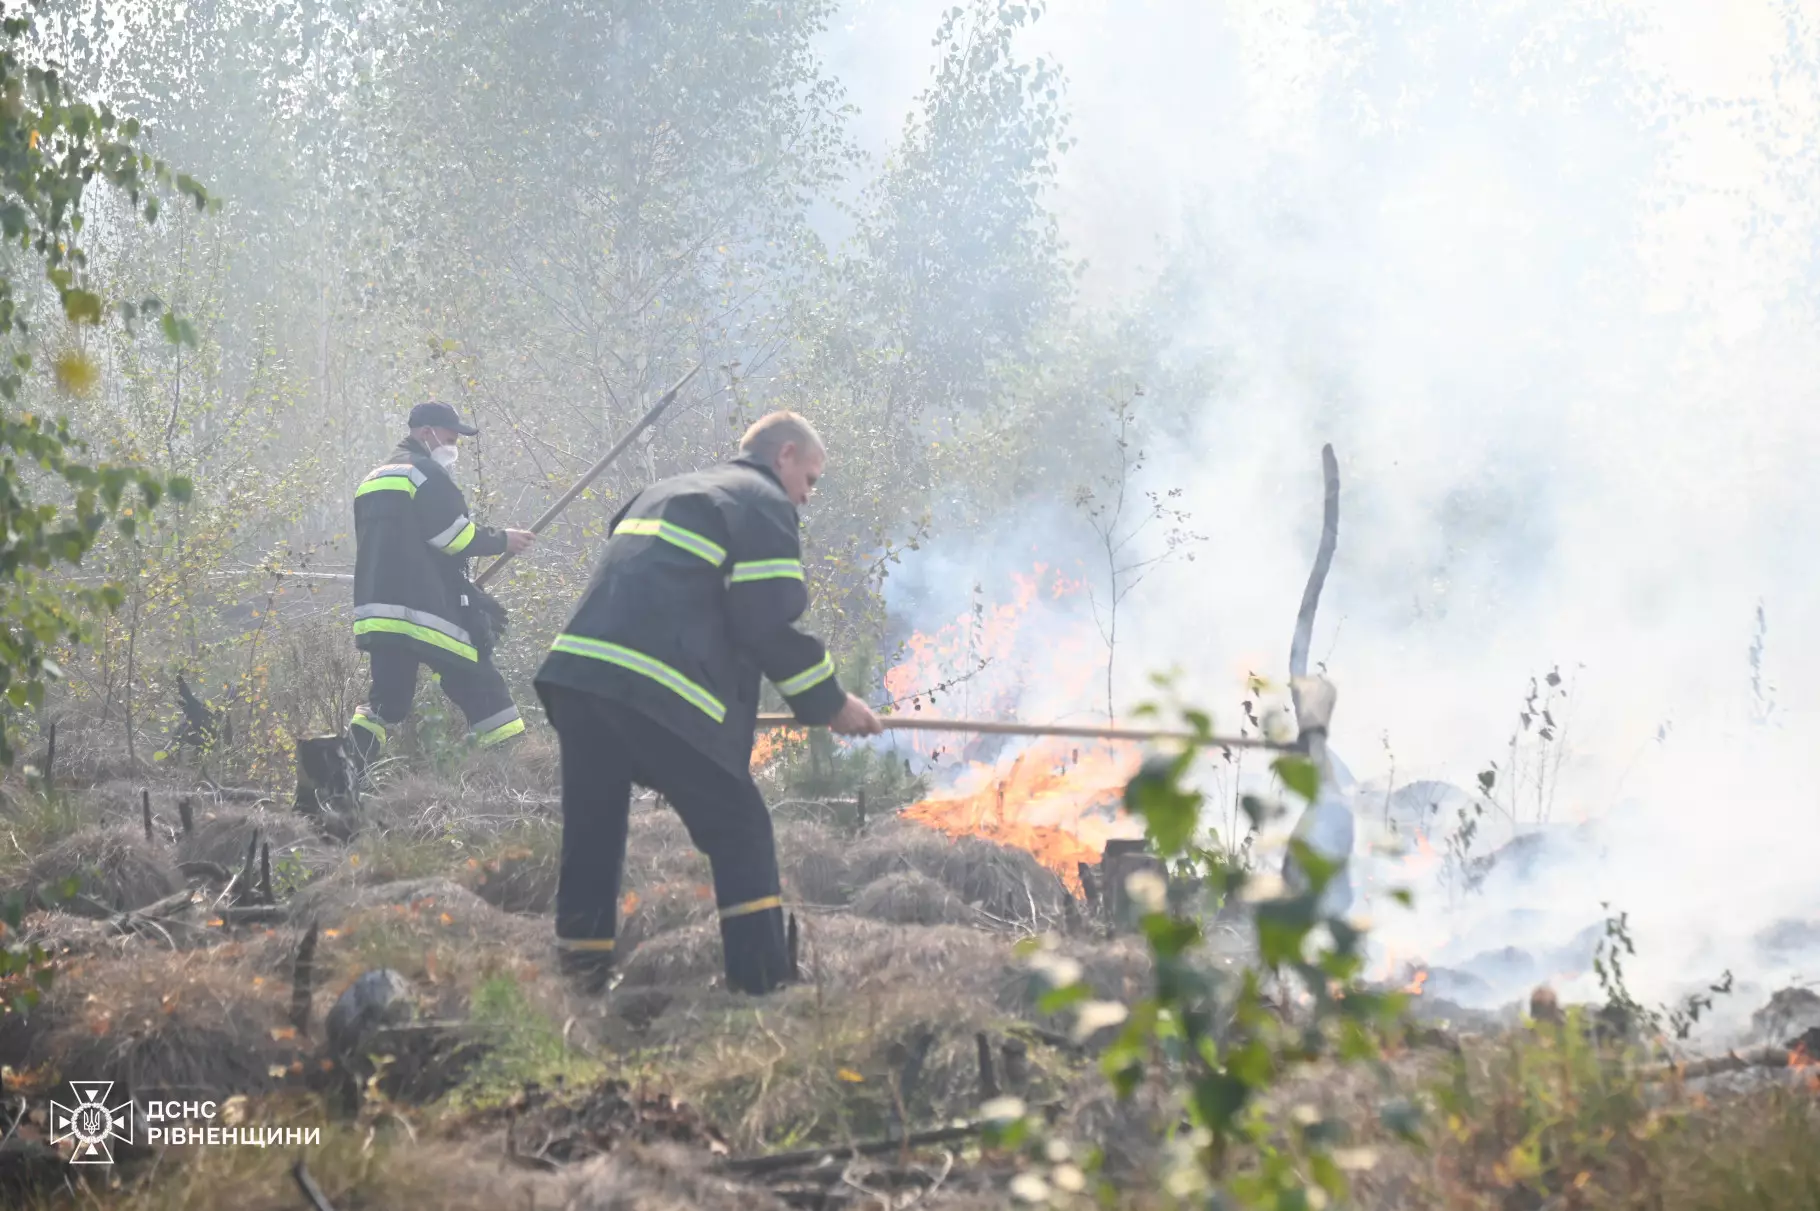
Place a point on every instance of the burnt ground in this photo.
(486, 1082)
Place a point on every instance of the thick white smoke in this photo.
(1545, 275)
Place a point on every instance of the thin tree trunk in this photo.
(132, 643)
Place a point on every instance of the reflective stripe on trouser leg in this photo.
(501, 725)
(596, 802)
(587, 960)
(366, 738)
(480, 692)
(751, 906)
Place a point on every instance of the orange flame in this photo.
(1800, 1061)
(768, 746)
(1414, 987)
(983, 660)
(1056, 801)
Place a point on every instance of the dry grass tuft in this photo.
(222, 836)
(357, 1170)
(663, 909)
(656, 1177)
(520, 873)
(1009, 884)
(853, 953)
(185, 1022)
(659, 851)
(814, 867)
(439, 907)
(114, 866)
(909, 897)
(690, 956)
(821, 1063)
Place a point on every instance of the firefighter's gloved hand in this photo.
(518, 540)
(855, 718)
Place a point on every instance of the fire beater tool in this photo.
(606, 460)
(924, 723)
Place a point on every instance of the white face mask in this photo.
(445, 456)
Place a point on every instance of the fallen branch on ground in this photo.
(756, 1165)
(151, 914)
(311, 1191)
(251, 914)
(1731, 1061)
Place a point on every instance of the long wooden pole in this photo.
(606, 460)
(921, 723)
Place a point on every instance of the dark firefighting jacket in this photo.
(413, 539)
(693, 600)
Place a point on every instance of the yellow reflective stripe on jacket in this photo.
(751, 906)
(423, 634)
(461, 540)
(380, 609)
(766, 569)
(675, 535)
(362, 719)
(455, 537)
(638, 662)
(808, 679)
(584, 944)
(387, 483)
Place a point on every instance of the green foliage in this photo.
(51, 146)
(26, 973)
(1555, 1109)
(523, 1046)
(1217, 1040)
(1622, 1011)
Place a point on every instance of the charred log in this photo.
(201, 724)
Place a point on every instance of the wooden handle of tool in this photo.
(606, 460)
(924, 723)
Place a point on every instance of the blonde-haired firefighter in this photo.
(655, 680)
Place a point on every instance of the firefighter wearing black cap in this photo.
(655, 680)
(413, 602)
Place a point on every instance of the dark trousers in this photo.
(476, 688)
(606, 747)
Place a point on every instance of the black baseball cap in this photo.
(439, 415)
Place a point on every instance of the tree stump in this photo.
(1122, 858)
(325, 785)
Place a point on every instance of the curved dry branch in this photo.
(1311, 595)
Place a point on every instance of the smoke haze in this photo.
(1544, 274)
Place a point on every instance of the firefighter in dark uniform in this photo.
(655, 681)
(413, 602)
